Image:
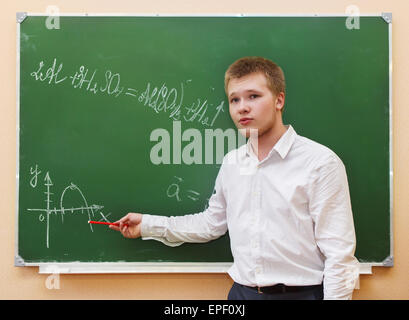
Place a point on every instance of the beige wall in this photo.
(26, 283)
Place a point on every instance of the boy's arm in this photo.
(200, 227)
(330, 207)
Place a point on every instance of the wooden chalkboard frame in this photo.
(179, 267)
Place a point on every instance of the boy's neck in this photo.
(268, 140)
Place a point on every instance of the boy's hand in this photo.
(129, 225)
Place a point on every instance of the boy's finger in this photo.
(125, 218)
(116, 228)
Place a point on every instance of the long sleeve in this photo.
(200, 227)
(330, 207)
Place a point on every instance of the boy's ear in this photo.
(280, 101)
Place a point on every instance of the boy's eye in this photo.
(253, 96)
(234, 100)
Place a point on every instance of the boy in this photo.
(283, 198)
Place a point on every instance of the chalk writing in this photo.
(35, 173)
(174, 190)
(161, 99)
(45, 213)
(193, 195)
(112, 84)
(51, 74)
(199, 110)
(80, 78)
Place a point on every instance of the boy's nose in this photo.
(244, 108)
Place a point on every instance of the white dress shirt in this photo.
(289, 217)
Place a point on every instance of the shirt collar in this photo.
(286, 141)
(283, 145)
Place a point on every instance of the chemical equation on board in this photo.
(176, 191)
(93, 211)
(161, 99)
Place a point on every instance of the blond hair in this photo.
(247, 65)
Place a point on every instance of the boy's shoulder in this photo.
(303, 149)
(317, 152)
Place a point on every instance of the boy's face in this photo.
(252, 105)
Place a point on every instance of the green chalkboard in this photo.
(92, 93)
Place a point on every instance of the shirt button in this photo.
(258, 270)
